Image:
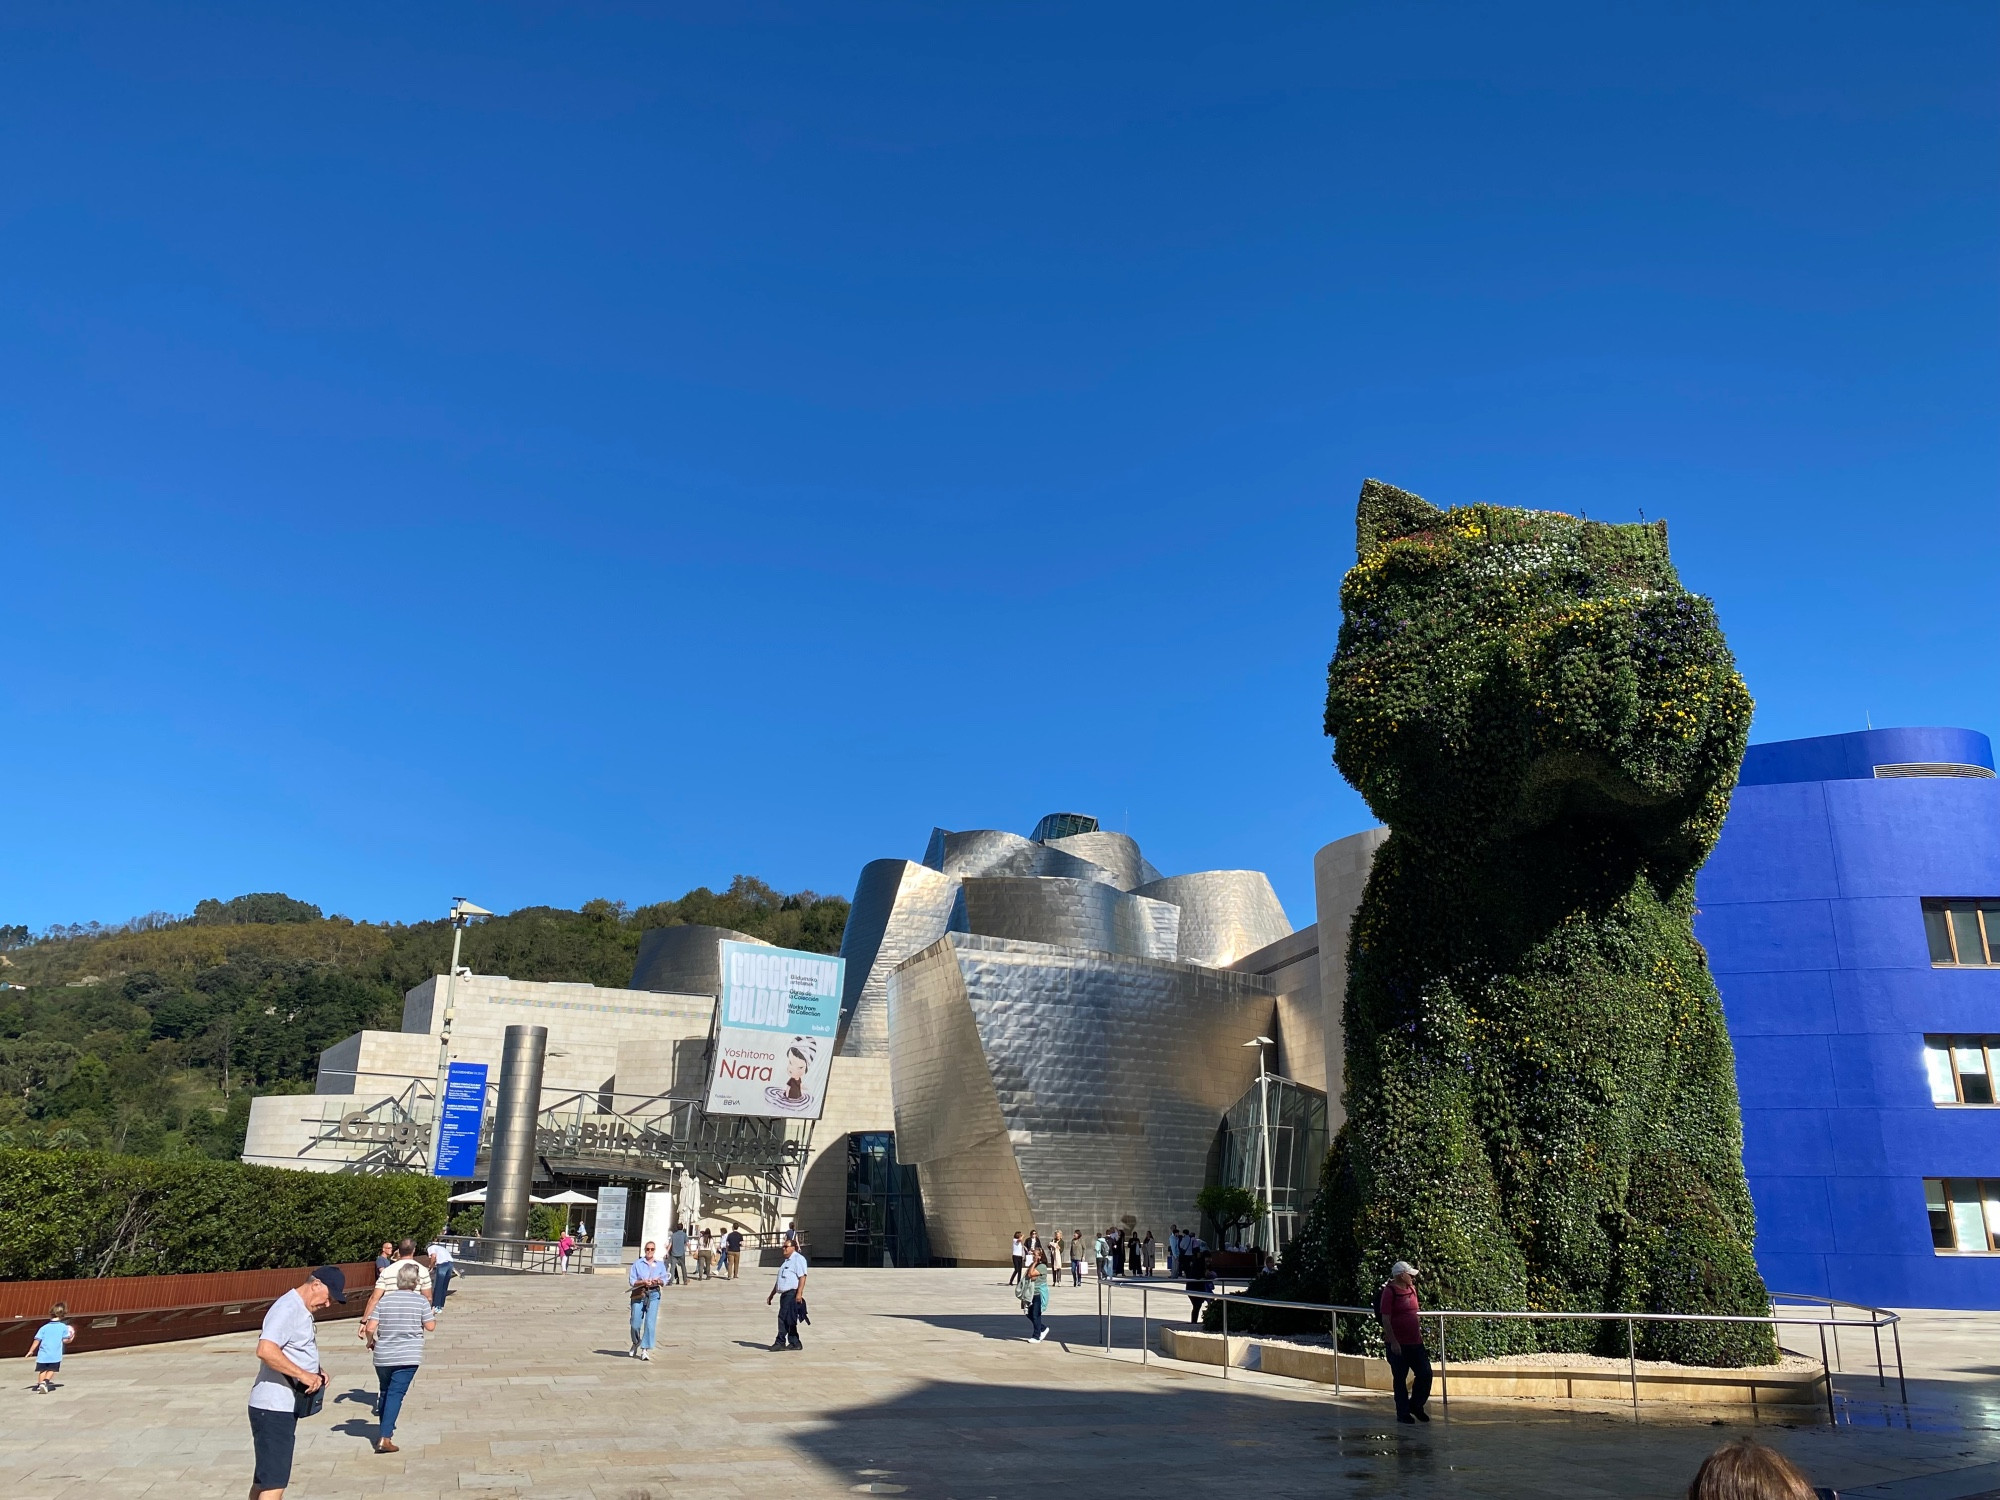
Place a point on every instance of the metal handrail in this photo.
(507, 1254)
(1878, 1318)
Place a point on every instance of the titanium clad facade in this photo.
(684, 960)
(989, 851)
(1061, 1087)
(1068, 914)
(899, 908)
(1116, 852)
(1225, 914)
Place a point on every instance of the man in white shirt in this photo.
(440, 1254)
(385, 1281)
(288, 1373)
(789, 1288)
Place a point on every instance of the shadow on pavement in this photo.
(973, 1440)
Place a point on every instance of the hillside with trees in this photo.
(151, 1038)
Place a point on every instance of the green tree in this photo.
(1233, 1209)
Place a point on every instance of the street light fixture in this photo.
(1264, 1138)
(462, 913)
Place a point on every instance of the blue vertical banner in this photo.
(459, 1119)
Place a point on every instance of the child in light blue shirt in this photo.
(47, 1348)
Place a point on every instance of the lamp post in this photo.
(1264, 1135)
(462, 913)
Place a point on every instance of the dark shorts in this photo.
(273, 1433)
(42, 1369)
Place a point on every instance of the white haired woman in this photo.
(395, 1331)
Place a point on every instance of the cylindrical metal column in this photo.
(511, 1168)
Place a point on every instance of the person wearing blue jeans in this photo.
(1035, 1284)
(395, 1331)
(646, 1276)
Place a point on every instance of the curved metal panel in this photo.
(899, 907)
(1107, 1074)
(1067, 913)
(989, 851)
(1116, 852)
(1225, 914)
(684, 960)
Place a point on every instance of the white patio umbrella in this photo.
(567, 1195)
(477, 1195)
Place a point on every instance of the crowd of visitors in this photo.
(403, 1306)
(1114, 1253)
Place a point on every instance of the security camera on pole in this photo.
(462, 913)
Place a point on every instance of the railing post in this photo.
(1827, 1370)
(1225, 1333)
(1444, 1369)
(1881, 1376)
(1896, 1333)
(1145, 1333)
(1333, 1318)
(1632, 1365)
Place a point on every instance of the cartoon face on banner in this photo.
(779, 1011)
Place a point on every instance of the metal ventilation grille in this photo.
(1930, 768)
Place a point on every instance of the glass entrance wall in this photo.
(1298, 1140)
(885, 1213)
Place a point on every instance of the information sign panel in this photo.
(459, 1119)
(778, 1012)
(607, 1240)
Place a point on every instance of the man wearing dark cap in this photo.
(288, 1377)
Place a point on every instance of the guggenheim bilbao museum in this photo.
(1038, 1030)
(1044, 1030)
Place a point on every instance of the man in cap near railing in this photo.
(1402, 1332)
(787, 1290)
(289, 1383)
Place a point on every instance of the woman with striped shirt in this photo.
(396, 1332)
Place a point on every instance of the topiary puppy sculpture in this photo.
(1541, 1099)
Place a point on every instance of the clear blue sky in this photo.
(540, 453)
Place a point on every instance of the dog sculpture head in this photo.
(1501, 671)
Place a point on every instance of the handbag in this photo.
(306, 1403)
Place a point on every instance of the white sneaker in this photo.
(1042, 1335)
(645, 1354)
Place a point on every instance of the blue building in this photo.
(1851, 913)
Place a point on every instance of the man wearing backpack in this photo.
(1402, 1332)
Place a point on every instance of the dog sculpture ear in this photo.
(1386, 513)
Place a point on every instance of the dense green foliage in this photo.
(1540, 1092)
(150, 1040)
(88, 1213)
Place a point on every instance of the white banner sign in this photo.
(779, 1010)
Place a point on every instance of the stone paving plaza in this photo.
(916, 1383)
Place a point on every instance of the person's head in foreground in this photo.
(1747, 1470)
